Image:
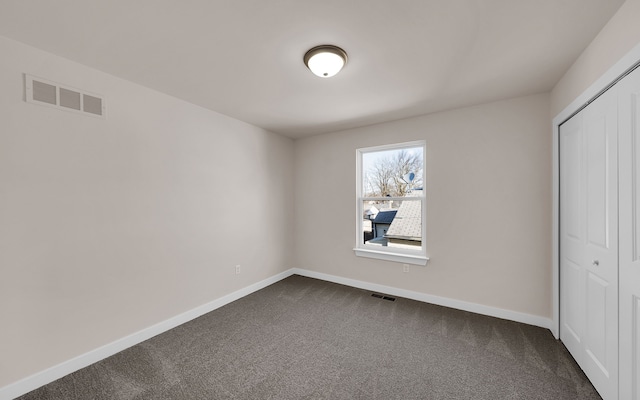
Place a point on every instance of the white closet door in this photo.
(572, 236)
(601, 326)
(589, 241)
(629, 131)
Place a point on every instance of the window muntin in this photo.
(391, 203)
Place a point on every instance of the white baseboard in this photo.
(32, 382)
(427, 298)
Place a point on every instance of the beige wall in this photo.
(110, 226)
(619, 36)
(488, 211)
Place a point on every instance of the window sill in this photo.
(396, 257)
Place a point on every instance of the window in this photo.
(390, 203)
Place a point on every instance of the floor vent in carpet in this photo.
(379, 296)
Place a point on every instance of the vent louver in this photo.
(44, 93)
(92, 104)
(70, 99)
(380, 296)
(51, 94)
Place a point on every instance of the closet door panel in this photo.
(571, 181)
(597, 316)
(589, 241)
(634, 367)
(601, 266)
(598, 196)
(629, 172)
(574, 321)
(572, 236)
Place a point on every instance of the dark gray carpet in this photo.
(303, 338)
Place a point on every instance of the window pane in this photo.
(392, 172)
(392, 223)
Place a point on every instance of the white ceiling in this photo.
(243, 58)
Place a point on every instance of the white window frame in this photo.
(400, 255)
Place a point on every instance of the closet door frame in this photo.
(612, 75)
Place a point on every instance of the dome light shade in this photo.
(325, 61)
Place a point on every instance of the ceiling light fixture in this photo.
(326, 60)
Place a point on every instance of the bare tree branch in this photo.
(386, 176)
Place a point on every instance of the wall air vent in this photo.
(51, 94)
(381, 296)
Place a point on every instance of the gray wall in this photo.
(617, 38)
(110, 226)
(488, 194)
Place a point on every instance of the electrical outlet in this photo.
(237, 269)
(405, 268)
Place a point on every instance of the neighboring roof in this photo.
(385, 217)
(407, 224)
(379, 241)
(371, 211)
